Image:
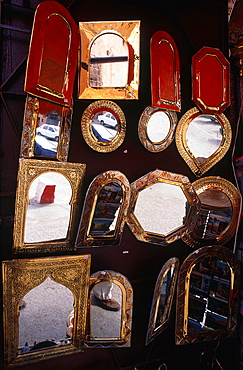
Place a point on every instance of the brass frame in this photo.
(29, 169)
(217, 183)
(22, 275)
(225, 254)
(130, 32)
(142, 129)
(170, 178)
(83, 238)
(180, 138)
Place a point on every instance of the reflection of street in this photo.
(102, 133)
(45, 147)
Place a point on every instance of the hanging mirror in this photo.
(103, 126)
(208, 287)
(162, 299)
(110, 310)
(202, 139)
(105, 210)
(110, 59)
(219, 214)
(38, 296)
(163, 207)
(47, 204)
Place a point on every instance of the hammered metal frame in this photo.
(22, 275)
(29, 170)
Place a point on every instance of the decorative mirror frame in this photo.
(127, 307)
(143, 133)
(83, 238)
(29, 170)
(181, 332)
(221, 184)
(31, 112)
(86, 127)
(154, 331)
(22, 275)
(173, 179)
(180, 138)
(130, 32)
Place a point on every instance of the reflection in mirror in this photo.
(162, 299)
(104, 126)
(158, 127)
(47, 133)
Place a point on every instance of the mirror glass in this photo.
(158, 127)
(43, 314)
(104, 126)
(47, 134)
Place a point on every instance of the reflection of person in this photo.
(103, 292)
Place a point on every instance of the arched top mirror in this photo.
(163, 207)
(202, 139)
(156, 128)
(110, 310)
(103, 126)
(110, 60)
(219, 214)
(105, 210)
(207, 291)
(162, 299)
(48, 193)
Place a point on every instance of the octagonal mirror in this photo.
(163, 207)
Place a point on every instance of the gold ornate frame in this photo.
(130, 32)
(217, 183)
(86, 126)
(181, 332)
(180, 138)
(19, 277)
(142, 129)
(29, 170)
(83, 238)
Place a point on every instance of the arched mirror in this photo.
(208, 286)
(110, 310)
(104, 210)
(156, 128)
(202, 139)
(48, 193)
(103, 126)
(38, 297)
(163, 299)
(163, 207)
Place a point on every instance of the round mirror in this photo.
(158, 127)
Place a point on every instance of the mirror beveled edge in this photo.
(22, 275)
(182, 300)
(180, 138)
(29, 170)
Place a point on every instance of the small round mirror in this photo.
(158, 127)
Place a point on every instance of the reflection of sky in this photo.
(158, 127)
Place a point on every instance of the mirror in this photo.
(110, 60)
(105, 210)
(47, 193)
(171, 207)
(110, 315)
(156, 128)
(202, 139)
(208, 287)
(162, 299)
(38, 296)
(219, 214)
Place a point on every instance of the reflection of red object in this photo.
(48, 194)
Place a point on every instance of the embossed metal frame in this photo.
(30, 169)
(32, 108)
(83, 238)
(143, 134)
(217, 183)
(180, 138)
(22, 275)
(181, 334)
(130, 32)
(154, 331)
(127, 308)
(86, 127)
(170, 178)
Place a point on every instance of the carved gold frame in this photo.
(29, 170)
(86, 127)
(180, 138)
(22, 275)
